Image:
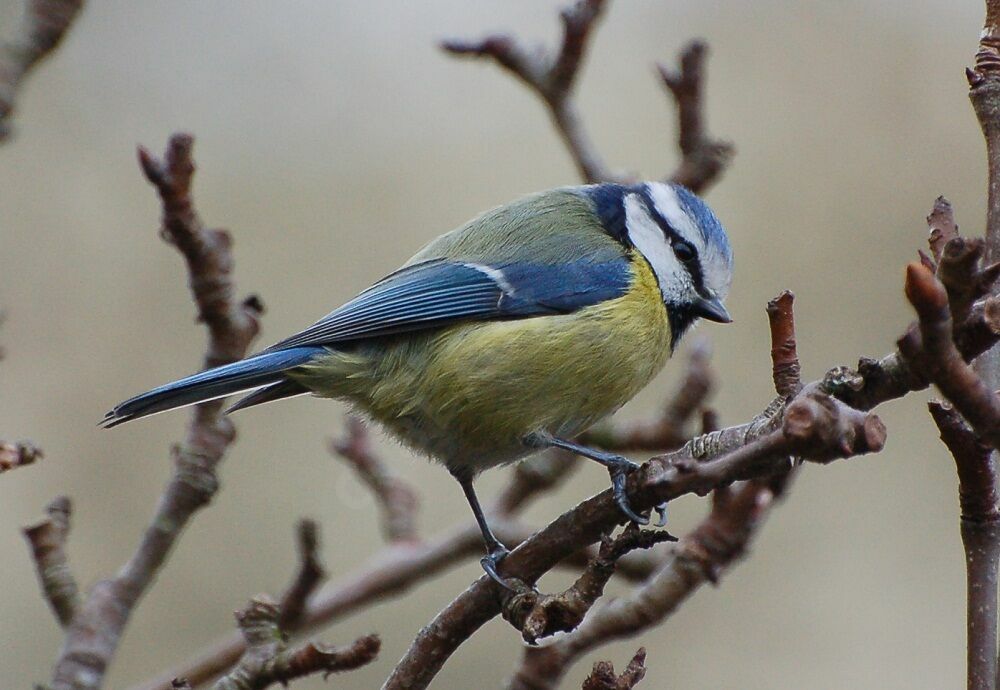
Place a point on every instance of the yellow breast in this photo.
(470, 393)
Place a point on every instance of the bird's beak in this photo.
(711, 308)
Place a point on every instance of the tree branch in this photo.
(552, 78)
(700, 557)
(397, 502)
(19, 454)
(47, 540)
(980, 525)
(538, 615)
(941, 360)
(785, 367)
(603, 676)
(704, 159)
(984, 92)
(403, 565)
(95, 631)
(44, 24)
(737, 512)
(814, 426)
(267, 659)
(310, 575)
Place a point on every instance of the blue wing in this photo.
(425, 295)
(439, 292)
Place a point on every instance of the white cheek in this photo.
(647, 237)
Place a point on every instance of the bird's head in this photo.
(681, 239)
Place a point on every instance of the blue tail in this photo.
(247, 374)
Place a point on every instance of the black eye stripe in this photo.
(675, 239)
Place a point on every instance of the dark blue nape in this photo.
(610, 208)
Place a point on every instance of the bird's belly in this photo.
(468, 395)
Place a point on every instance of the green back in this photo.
(552, 227)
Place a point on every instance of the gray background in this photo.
(334, 139)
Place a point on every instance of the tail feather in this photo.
(285, 388)
(220, 382)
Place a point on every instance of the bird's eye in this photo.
(684, 251)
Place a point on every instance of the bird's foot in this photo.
(619, 470)
(492, 560)
(661, 511)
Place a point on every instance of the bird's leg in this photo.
(618, 467)
(495, 550)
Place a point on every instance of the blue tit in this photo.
(511, 334)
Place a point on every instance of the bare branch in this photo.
(980, 525)
(267, 659)
(941, 226)
(551, 77)
(984, 92)
(785, 367)
(603, 676)
(876, 381)
(43, 27)
(815, 426)
(538, 615)
(390, 573)
(19, 454)
(397, 501)
(704, 159)
(700, 557)
(310, 575)
(942, 361)
(95, 632)
(48, 549)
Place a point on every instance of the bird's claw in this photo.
(661, 511)
(619, 475)
(490, 562)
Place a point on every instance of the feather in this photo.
(238, 377)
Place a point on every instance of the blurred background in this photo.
(334, 139)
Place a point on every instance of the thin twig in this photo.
(984, 92)
(941, 360)
(93, 637)
(704, 159)
(48, 549)
(397, 501)
(552, 77)
(603, 676)
(19, 454)
(268, 660)
(980, 525)
(700, 557)
(309, 576)
(785, 367)
(43, 27)
(538, 615)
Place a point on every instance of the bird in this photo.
(512, 334)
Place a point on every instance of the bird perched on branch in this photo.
(511, 334)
